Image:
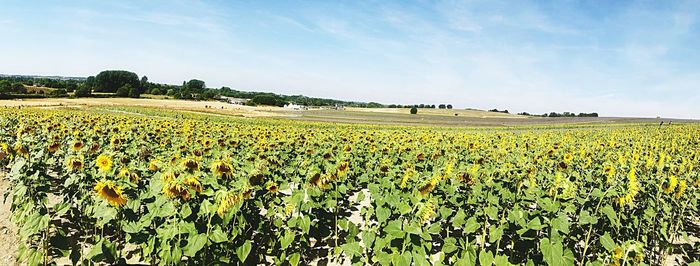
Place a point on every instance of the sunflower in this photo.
(222, 169)
(21, 149)
(227, 202)
(154, 165)
(672, 183)
(190, 164)
(425, 189)
(110, 192)
(132, 176)
(609, 171)
(404, 180)
(426, 212)
(174, 190)
(77, 145)
(568, 157)
(104, 163)
(343, 168)
(74, 163)
(272, 188)
(682, 186)
(193, 183)
(53, 147)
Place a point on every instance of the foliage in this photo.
(182, 188)
(112, 80)
(414, 110)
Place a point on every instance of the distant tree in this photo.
(90, 82)
(19, 88)
(144, 84)
(5, 86)
(112, 80)
(156, 91)
(134, 93)
(442, 106)
(83, 91)
(268, 99)
(449, 106)
(124, 91)
(59, 92)
(432, 106)
(414, 110)
(71, 87)
(195, 85)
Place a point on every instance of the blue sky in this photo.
(619, 58)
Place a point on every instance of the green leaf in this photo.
(217, 236)
(294, 259)
(382, 214)
(586, 218)
(485, 258)
(195, 242)
(468, 257)
(244, 250)
(607, 242)
(185, 211)
(611, 214)
(458, 220)
(393, 228)
(287, 239)
(412, 229)
(352, 249)
(471, 226)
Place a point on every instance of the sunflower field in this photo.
(162, 187)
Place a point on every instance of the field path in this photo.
(8, 231)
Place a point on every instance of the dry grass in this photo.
(194, 106)
(471, 113)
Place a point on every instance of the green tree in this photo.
(5, 86)
(83, 91)
(111, 80)
(414, 110)
(19, 88)
(449, 106)
(134, 93)
(195, 86)
(123, 91)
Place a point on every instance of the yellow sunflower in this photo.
(77, 145)
(672, 183)
(227, 202)
(75, 163)
(132, 176)
(154, 165)
(568, 157)
(221, 169)
(104, 163)
(110, 192)
(53, 147)
(272, 188)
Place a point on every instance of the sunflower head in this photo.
(110, 192)
(104, 163)
(77, 145)
(568, 157)
(190, 164)
(154, 165)
(227, 201)
(53, 147)
(221, 168)
(272, 188)
(74, 163)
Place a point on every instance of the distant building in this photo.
(232, 100)
(295, 106)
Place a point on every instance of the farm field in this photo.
(379, 116)
(158, 186)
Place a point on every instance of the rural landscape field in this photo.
(339, 133)
(111, 184)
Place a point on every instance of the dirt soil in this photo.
(8, 231)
